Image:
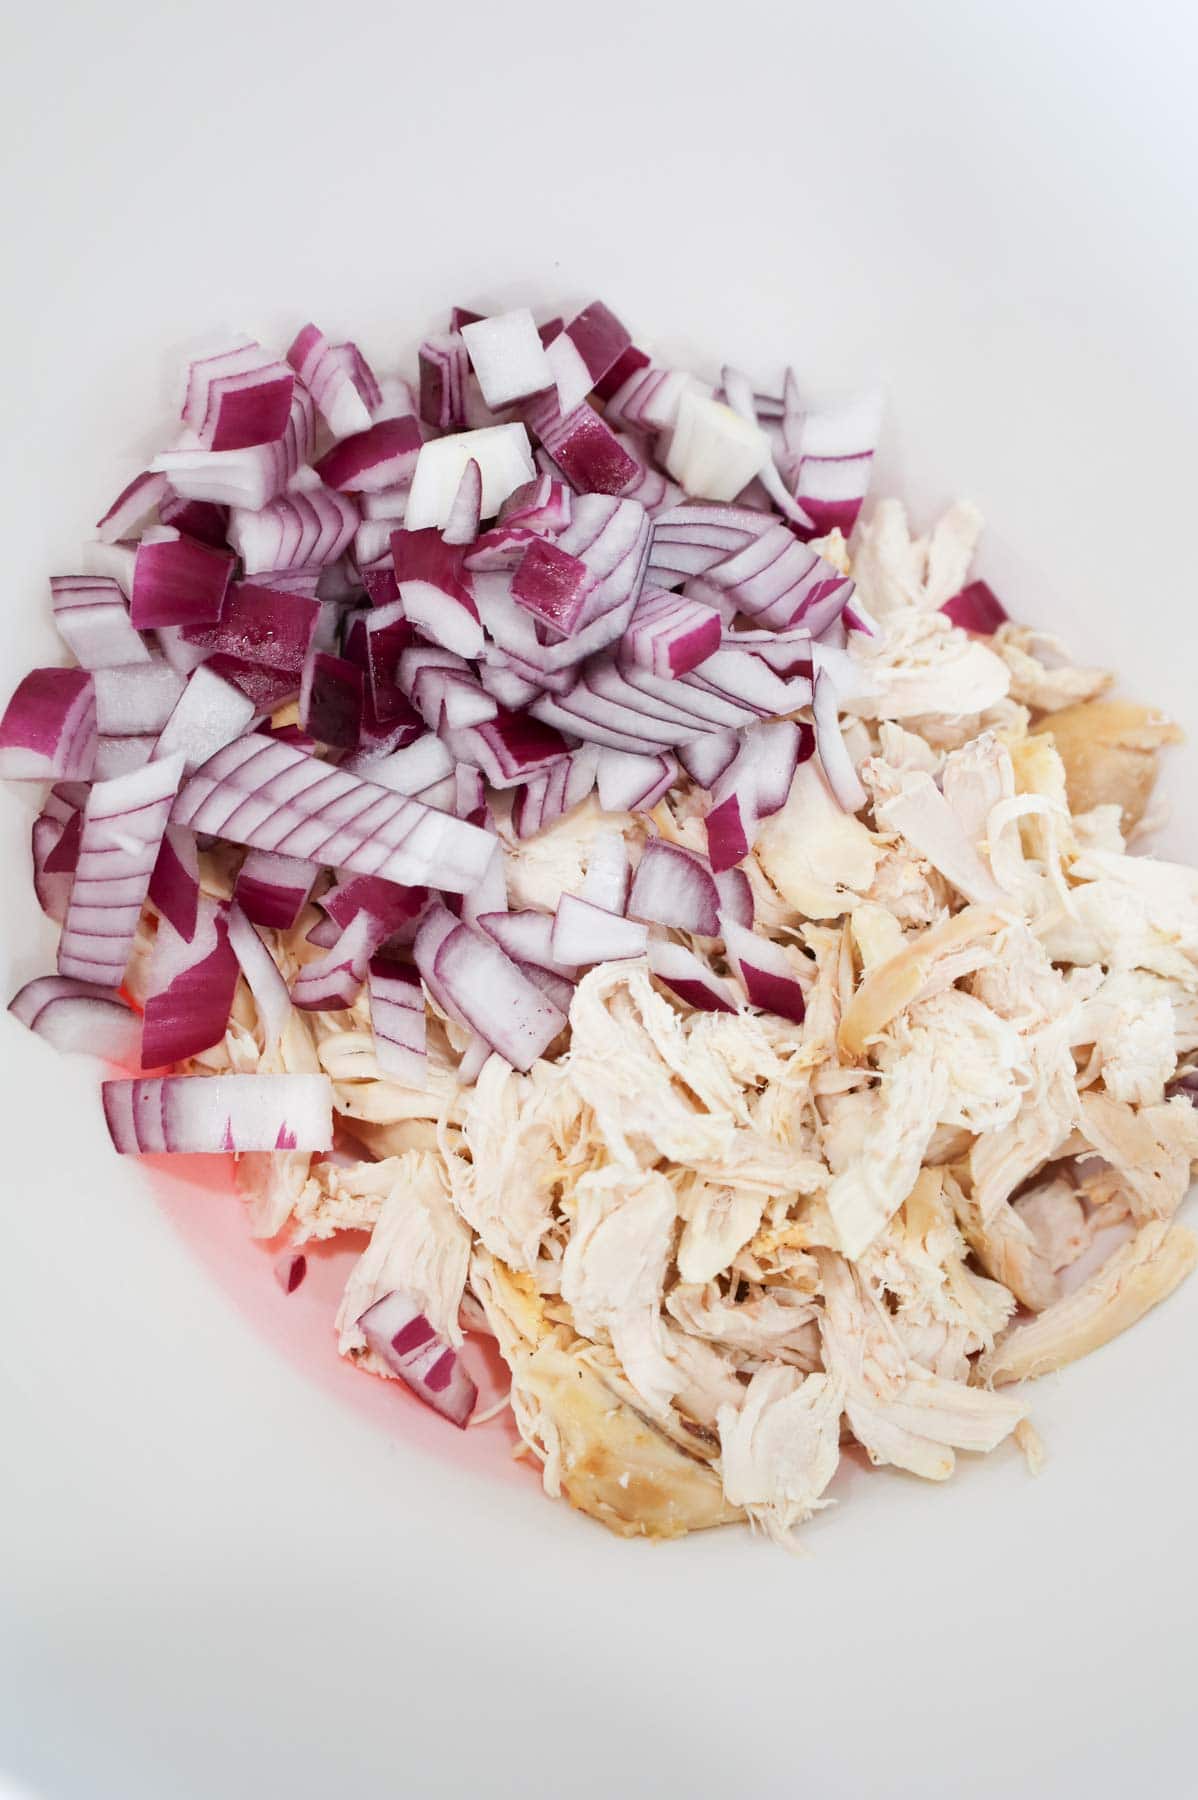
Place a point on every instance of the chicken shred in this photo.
(715, 1250)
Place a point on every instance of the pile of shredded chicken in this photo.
(719, 1252)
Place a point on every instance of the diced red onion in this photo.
(373, 461)
(584, 447)
(132, 508)
(435, 589)
(607, 875)
(510, 748)
(272, 797)
(461, 527)
(755, 785)
(681, 970)
(764, 971)
(298, 529)
(335, 980)
(290, 1269)
(136, 701)
(674, 886)
(833, 752)
(398, 1021)
(178, 581)
(92, 616)
(121, 755)
(975, 608)
(833, 455)
(553, 585)
(713, 452)
(325, 375)
(443, 688)
(174, 889)
(401, 1337)
(584, 933)
(504, 460)
(211, 1114)
(444, 366)
(190, 988)
(508, 357)
(48, 732)
(237, 398)
(493, 996)
(209, 714)
(196, 518)
(649, 398)
(738, 390)
(78, 1015)
(544, 798)
(543, 505)
(736, 898)
(692, 539)
(625, 366)
(630, 783)
(123, 825)
(331, 700)
(669, 634)
(271, 889)
(706, 758)
(262, 626)
(51, 886)
(525, 937)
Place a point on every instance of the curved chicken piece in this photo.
(957, 944)
(1152, 1147)
(1130, 1283)
(1006, 1247)
(781, 1446)
(1110, 749)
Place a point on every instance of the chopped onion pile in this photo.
(373, 634)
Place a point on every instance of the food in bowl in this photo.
(530, 816)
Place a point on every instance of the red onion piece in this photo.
(209, 714)
(177, 581)
(262, 975)
(764, 971)
(174, 889)
(486, 990)
(738, 391)
(673, 886)
(505, 464)
(681, 971)
(553, 585)
(272, 797)
(48, 732)
(461, 527)
(330, 705)
(313, 525)
(443, 688)
(444, 366)
(361, 374)
(633, 783)
(625, 366)
(753, 786)
(78, 1015)
(408, 770)
(508, 357)
(402, 1338)
(832, 458)
(290, 1269)
(543, 505)
(510, 748)
(92, 616)
(191, 988)
(335, 980)
(123, 825)
(608, 874)
(121, 755)
(599, 339)
(584, 447)
(693, 538)
(324, 374)
(736, 898)
(392, 905)
(196, 518)
(669, 634)
(375, 460)
(237, 398)
(435, 590)
(271, 889)
(51, 886)
(705, 759)
(399, 1022)
(976, 608)
(550, 796)
(132, 508)
(833, 752)
(584, 933)
(525, 937)
(136, 701)
(215, 1114)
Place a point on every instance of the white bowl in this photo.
(232, 1567)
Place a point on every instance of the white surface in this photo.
(215, 1579)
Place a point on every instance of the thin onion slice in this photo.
(78, 1015)
(399, 1022)
(215, 1114)
(123, 825)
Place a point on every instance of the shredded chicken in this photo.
(715, 1250)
